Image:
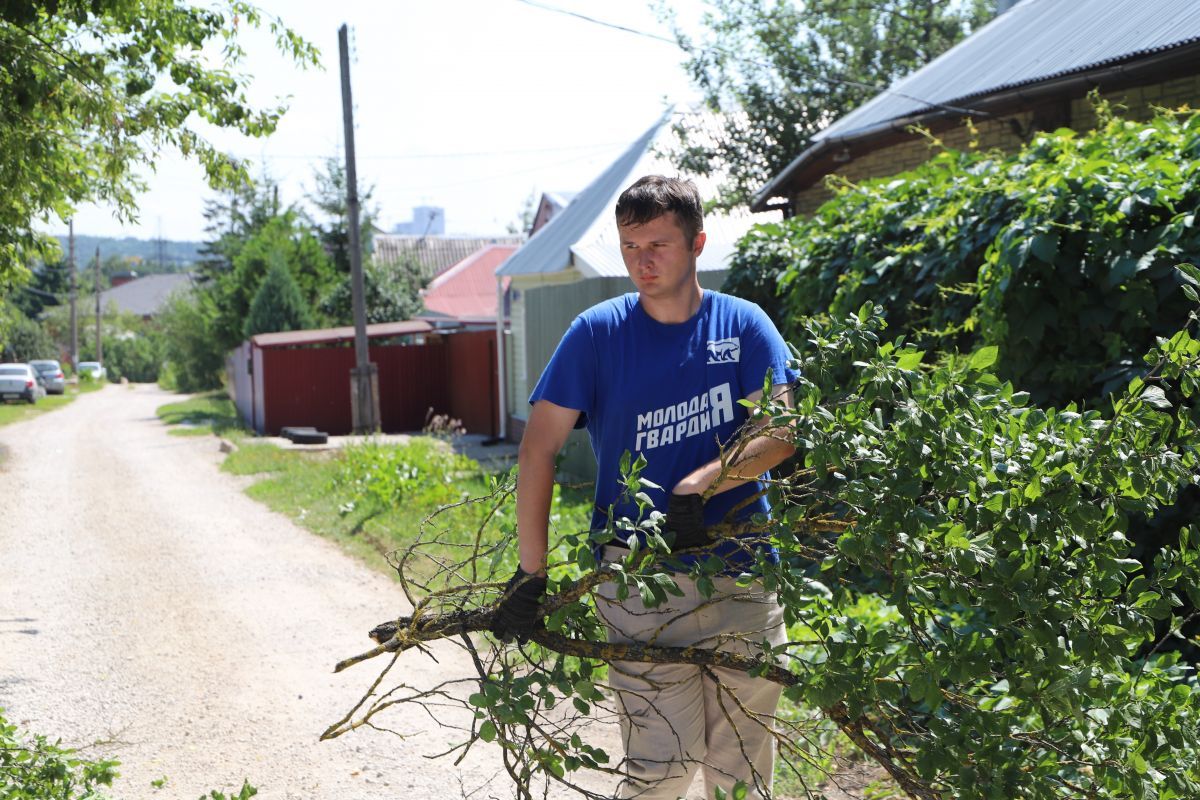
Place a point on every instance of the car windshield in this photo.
(45, 366)
(13, 371)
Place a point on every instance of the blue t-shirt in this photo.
(668, 392)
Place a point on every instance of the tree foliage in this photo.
(391, 293)
(960, 593)
(283, 238)
(95, 90)
(778, 72)
(49, 285)
(194, 359)
(34, 768)
(278, 304)
(1061, 255)
(25, 340)
(331, 222)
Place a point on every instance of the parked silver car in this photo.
(20, 382)
(52, 375)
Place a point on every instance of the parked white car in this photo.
(93, 368)
(20, 382)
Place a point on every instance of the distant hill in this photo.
(149, 255)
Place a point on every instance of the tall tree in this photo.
(331, 222)
(779, 71)
(285, 238)
(278, 304)
(49, 285)
(93, 91)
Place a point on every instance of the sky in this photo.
(471, 105)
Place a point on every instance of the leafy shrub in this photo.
(27, 340)
(32, 768)
(420, 473)
(1061, 255)
(194, 358)
(390, 293)
(136, 358)
(954, 565)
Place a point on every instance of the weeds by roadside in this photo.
(212, 412)
(34, 768)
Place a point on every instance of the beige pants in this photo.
(675, 719)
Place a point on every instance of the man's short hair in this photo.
(654, 195)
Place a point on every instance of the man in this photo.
(659, 373)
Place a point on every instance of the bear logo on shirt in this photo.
(724, 351)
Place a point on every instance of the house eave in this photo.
(818, 160)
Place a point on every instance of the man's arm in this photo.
(547, 430)
(755, 456)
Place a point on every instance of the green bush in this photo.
(1061, 255)
(422, 473)
(195, 360)
(136, 357)
(33, 768)
(27, 340)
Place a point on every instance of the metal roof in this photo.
(381, 330)
(146, 296)
(467, 291)
(1035, 41)
(434, 254)
(583, 235)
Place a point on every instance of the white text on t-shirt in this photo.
(680, 420)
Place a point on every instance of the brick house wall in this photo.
(1006, 133)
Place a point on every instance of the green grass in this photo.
(305, 486)
(17, 412)
(212, 412)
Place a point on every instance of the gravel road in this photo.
(151, 612)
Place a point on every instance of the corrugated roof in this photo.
(435, 254)
(380, 330)
(1035, 41)
(145, 296)
(583, 235)
(467, 291)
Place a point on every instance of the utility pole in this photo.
(99, 342)
(74, 295)
(364, 378)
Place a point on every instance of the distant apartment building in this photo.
(426, 221)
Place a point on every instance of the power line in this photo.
(477, 154)
(792, 69)
(601, 22)
(488, 178)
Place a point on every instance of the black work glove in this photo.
(516, 613)
(685, 518)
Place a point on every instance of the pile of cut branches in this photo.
(960, 596)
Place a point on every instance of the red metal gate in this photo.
(452, 374)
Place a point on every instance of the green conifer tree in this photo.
(278, 304)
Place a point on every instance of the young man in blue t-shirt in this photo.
(659, 373)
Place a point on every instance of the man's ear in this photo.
(698, 243)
